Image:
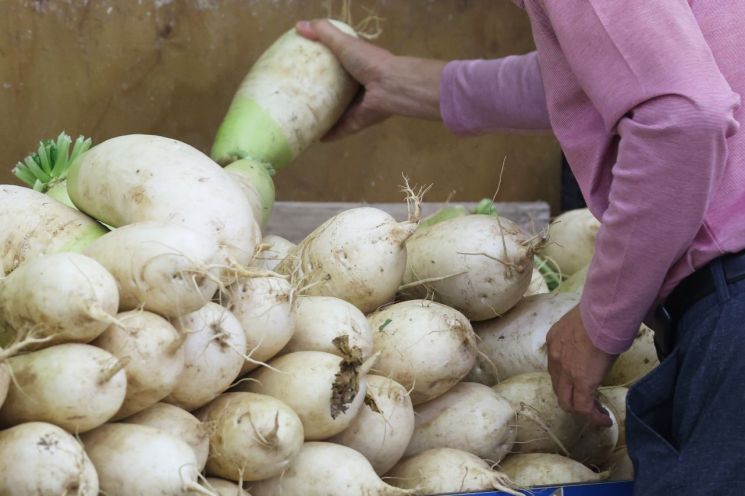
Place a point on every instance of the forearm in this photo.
(411, 87)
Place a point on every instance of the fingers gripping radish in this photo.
(165, 268)
(75, 386)
(150, 348)
(63, 297)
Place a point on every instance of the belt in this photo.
(688, 292)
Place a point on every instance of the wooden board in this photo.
(295, 220)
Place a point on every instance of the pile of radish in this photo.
(154, 341)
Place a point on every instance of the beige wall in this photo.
(170, 67)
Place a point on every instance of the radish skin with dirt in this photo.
(138, 178)
(446, 470)
(571, 240)
(150, 348)
(33, 224)
(327, 469)
(636, 362)
(255, 179)
(265, 309)
(214, 352)
(516, 343)
(179, 423)
(293, 94)
(75, 386)
(424, 346)
(358, 255)
(326, 391)
(62, 297)
(382, 429)
(139, 460)
(252, 436)
(480, 265)
(321, 319)
(165, 268)
(470, 417)
(276, 250)
(41, 459)
(541, 469)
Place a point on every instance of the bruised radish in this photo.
(358, 255)
(383, 427)
(542, 469)
(179, 423)
(446, 470)
(150, 348)
(571, 240)
(213, 355)
(470, 417)
(516, 343)
(253, 436)
(276, 250)
(265, 308)
(326, 391)
(424, 346)
(321, 319)
(75, 386)
(40, 459)
(63, 297)
(636, 362)
(165, 268)
(480, 265)
(327, 469)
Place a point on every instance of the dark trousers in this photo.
(685, 423)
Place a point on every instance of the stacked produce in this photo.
(154, 342)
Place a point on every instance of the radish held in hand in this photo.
(179, 423)
(150, 348)
(276, 250)
(214, 351)
(542, 469)
(40, 459)
(571, 240)
(290, 98)
(359, 256)
(63, 297)
(139, 178)
(446, 470)
(255, 179)
(424, 346)
(470, 417)
(33, 224)
(480, 265)
(327, 469)
(75, 386)
(253, 436)
(383, 427)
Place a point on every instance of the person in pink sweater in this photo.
(644, 98)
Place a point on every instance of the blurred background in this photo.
(170, 67)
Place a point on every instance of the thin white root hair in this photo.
(424, 282)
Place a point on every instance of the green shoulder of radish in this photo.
(255, 179)
(294, 93)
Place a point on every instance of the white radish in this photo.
(576, 282)
(4, 382)
(620, 466)
(516, 343)
(138, 178)
(33, 224)
(253, 436)
(571, 240)
(327, 469)
(383, 427)
(470, 417)
(636, 362)
(542, 426)
(537, 285)
(150, 348)
(326, 391)
(62, 297)
(221, 487)
(139, 460)
(446, 470)
(75, 386)
(321, 319)
(276, 250)
(543, 469)
(265, 308)
(255, 179)
(291, 96)
(179, 423)
(480, 265)
(40, 459)
(615, 398)
(165, 268)
(424, 346)
(358, 255)
(214, 352)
